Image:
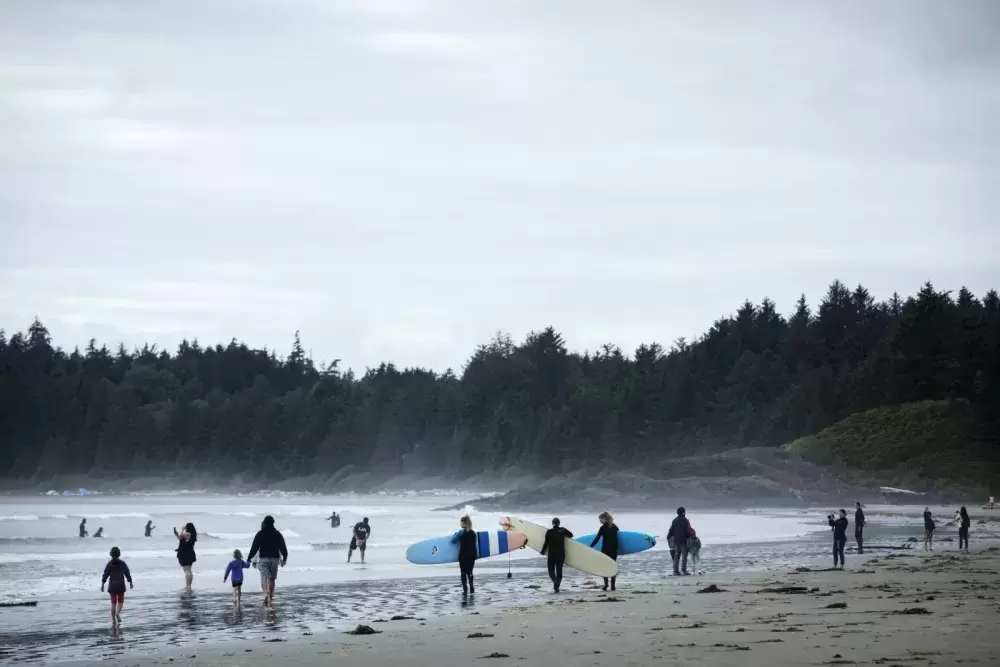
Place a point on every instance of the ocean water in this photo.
(43, 559)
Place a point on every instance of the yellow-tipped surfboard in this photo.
(578, 556)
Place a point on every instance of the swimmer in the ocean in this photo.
(100, 532)
(149, 528)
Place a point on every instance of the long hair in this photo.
(190, 530)
(467, 521)
(606, 518)
(964, 512)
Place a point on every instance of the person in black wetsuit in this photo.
(359, 539)
(680, 531)
(609, 547)
(83, 528)
(468, 551)
(100, 532)
(839, 537)
(555, 546)
(334, 520)
(186, 538)
(963, 528)
(859, 526)
(149, 528)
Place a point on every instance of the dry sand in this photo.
(911, 609)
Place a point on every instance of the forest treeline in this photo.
(756, 378)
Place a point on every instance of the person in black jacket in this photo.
(609, 547)
(273, 553)
(680, 531)
(859, 526)
(555, 547)
(839, 537)
(963, 529)
(468, 552)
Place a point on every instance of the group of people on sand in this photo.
(681, 538)
(839, 526)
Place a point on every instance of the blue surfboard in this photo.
(439, 550)
(629, 542)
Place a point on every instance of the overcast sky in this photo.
(401, 178)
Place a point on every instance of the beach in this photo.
(908, 609)
(320, 596)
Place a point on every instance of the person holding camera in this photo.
(839, 537)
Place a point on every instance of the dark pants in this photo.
(963, 538)
(466, 566)
(681, 558)
(838, 550)
(555, 572)
(613, 579)
(860, 539)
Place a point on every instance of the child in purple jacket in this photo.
(236, 567)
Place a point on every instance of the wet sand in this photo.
(907, 609)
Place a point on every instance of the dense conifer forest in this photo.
(756, 378)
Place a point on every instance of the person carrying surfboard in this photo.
(609, 547)
(359, 539)
(468, 551)
(555, 545)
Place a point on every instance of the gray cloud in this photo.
(401, 179)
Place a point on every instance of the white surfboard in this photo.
(578, 556)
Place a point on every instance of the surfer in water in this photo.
(149, 528)
(100, 532)
(186, 537)
(859, 526)
(468, 551)
(334, 520)
(609, 547)
(362, 531)
(555, 546)
(83, 528)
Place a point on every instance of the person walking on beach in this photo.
(186, 537)
(149, 528)
(83, 528)
(236, 567)
(680, 531)
(115, 574)
(963, 529)
(929, 527)
(609, 547)
(839, 537)
(359, 539)
(859, 526)
(468, 552)
(694, 549)
(273, 553)
(555, 545)
(334, 520)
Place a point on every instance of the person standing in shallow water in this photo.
(273, 553)
(468, 552)
(359, 539)
(929, 527)
(555, 546)
(839, 537)
(859, 526)
(609, 547)
(186, 537)
(149, 528)
(83, 528)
